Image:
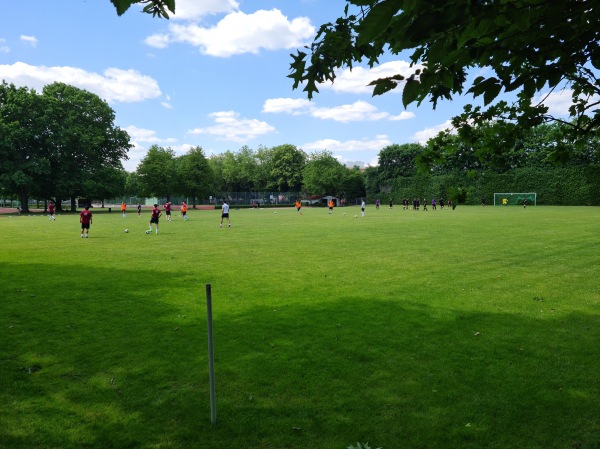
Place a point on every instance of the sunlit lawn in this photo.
(472, 328)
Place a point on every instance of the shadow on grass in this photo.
(86, 364)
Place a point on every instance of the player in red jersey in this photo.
(51, 211)
(156, 213)
(168, 211)
(85, 218)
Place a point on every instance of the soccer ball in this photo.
(147, 232)
(126, 231)
(356, 216)
(274, 212)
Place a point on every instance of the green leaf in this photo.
(382, 86)
(411, 92)
(121, 5)
(376, 21)
(171, 5)
(491, 92)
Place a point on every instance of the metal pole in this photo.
(211, 357)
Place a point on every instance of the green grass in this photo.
(472, 328)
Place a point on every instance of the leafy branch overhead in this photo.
(524, 47)
(155, 7)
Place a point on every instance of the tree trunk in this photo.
(58, 204)
(73, 204)
(24, 197)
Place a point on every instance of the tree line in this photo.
(488, 158)
(63, 144)
(283, 168)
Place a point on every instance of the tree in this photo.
(323, 174)
(194, 174)
(287, 164)
(53, 143)
(104, 182)
(80, 139)
(157, 172)
(238, 171)
(528, 45)
(399, 160)
(373, 180)
(23, 165)
(354, 184)
(216, 163)
(133, 186)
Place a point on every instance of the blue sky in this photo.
(213, 76)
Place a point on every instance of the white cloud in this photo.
(114, 85)
(356, 80)
(357, 111)
(146, 136)
(141, 138)
(337, 146)
(558, 103)
(158, 40)
(167, 102)
(294, 106)
(30, 39)
(404, 115)
(194, 9)
(426, 134)
(230, 127)
(3, 47)
(239, 33)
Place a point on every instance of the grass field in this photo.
(472, 328)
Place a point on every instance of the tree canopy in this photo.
(528, 47)
(61, 143)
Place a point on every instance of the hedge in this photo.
(561, 186)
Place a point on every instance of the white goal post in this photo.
(515, 199)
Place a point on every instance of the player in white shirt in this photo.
(225, 214)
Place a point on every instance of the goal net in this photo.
(515, 199)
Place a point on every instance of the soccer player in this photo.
(51, 211)
(85, 218)
(168, 211)
(377, 204)
(225, 214)
(504, 201)
(362, 208)
(139, 208)
(156, 213)
(441, 202)
(299, 206)
(123, 208)
(331, 206)
(424, 204)
(184, 210)
(433, 205)
(391, 203)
